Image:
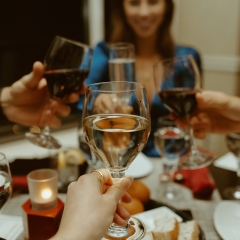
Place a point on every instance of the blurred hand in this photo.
(216, 112)
(27, 101)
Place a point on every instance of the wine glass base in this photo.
(232, 193)
(45, 141)
(195, 160)
(135, 231)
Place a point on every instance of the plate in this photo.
(226, 219)
(140, 167)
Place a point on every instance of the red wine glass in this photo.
(67, 64)
(177, 81)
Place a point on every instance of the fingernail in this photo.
(130, 177)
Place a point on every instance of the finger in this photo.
(122, 212)
(51, 120)
(118, 220)
(105, 178)
(119, 188)
(126, 198)
(60, 109)
(73, 97)
(32, 79)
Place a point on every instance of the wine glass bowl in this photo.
(116, 133)
(233, 144)
(66, 64)
(177, 81)
(5, 181)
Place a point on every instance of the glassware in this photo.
(122, 62)
(177, 81)
(170, 142)
(116, 132)
(5, 181)
(233, 143)
(67, 64)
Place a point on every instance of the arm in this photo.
(216, 112)
(92, 205)
(27, 101)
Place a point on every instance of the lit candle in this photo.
(42, 185)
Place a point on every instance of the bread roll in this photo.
(188, 230)
(166, 229)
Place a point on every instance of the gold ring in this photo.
(99, 172)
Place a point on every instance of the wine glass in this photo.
(121, 62)
(177, 81)
(117, 132)
(233, 143)
(170, 142)
(5, 180)
(67, 64)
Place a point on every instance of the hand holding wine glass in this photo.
(66, 64)
(177, 81)
(116, 137)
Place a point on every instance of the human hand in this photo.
(216, 112)
(92, 205)
(27, 101)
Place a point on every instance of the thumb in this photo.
(119, 188)
(32, 79)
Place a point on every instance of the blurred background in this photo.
(212, 27)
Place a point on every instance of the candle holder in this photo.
(43, 211)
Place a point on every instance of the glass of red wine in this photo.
(67, 64)
(177, 81)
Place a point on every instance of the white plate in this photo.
(140, 167)
(148, 217)
(227, 220)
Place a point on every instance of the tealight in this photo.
(42, 185)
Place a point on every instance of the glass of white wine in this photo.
(116, 133)
(5, 181)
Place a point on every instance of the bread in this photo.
(188, 230)
(148, 236)
(166, 229)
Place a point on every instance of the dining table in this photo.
(201, 210)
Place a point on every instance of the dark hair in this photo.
(118, 30)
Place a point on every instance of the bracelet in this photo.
(3, 118)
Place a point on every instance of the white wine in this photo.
(116, 139)
(122, 69)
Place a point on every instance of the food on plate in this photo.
(166, 228)
(188, 230)
(171, 229)
(134, 207)
(140, 191)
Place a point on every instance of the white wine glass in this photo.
(170, 142)
(67, 64)
(5, 180)
(177, 81)
(233, 144)
(116, 133)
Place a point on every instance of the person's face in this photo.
(144, 16)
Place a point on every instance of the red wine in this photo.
(63, 82)
(181, 101)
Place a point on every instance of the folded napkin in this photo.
(199, 181)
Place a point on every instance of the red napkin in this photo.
(20, 183)
(199, 181)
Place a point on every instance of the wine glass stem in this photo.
(46, 130)
(238, 174)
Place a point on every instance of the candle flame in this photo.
(46, 193)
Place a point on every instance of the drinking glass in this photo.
(122, 62)
(116, 133)
(170, 142)
(5, 180)
(233, 143)
(67, 64)
(177, 81)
